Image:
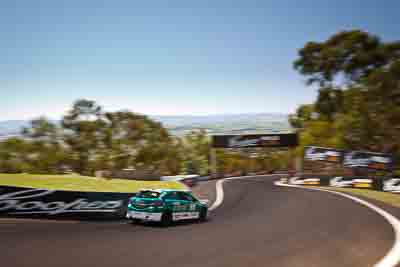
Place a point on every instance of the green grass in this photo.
(386, 197)
(82, 183)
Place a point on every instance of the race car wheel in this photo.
(166, 219)
(203, 215)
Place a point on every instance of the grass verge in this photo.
(386, 197)
(82, 183)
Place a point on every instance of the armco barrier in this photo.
(387, 184)
(44, 203)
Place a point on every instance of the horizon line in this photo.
(165, 115)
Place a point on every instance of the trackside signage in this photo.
(377, 161)
(312, 153)
(392, 185)
(255, 140)
(350, 159)
(377, 183)
(356, 182)
(316, 180)
(28, 202)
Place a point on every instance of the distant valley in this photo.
(181, 125)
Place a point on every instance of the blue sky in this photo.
(168, 57)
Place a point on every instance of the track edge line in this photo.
(392, 258)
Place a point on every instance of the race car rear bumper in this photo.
(146, 216)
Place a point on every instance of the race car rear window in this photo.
(148, 194)
(173, 196)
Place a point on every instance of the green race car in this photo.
(165, 206)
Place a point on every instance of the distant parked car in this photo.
(165, 206)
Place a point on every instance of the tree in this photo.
(90, 139)
(359, 92)
(14, 156)
(329, 102)
(371, 113)
(41, 129)
(304, 113)
(47, 153)
(196, 152)
(83, 127)
(133, 140)
(348, 55)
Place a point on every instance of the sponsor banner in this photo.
(386, 184)
(176, 216)
(341, 182)
(310, 180)
(374, 183)
(306, 181)
(377, 161)
(148, 216)
(331, 155)
(255, 140)
(356, 182)
(30, 202)
(284, 180)
(391, 185)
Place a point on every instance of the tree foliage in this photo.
(89, 139)
(196, 151)
(352, 55)
(358, 104)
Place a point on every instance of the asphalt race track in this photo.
(258, 224)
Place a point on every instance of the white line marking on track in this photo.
(392, 258)
(220, 190)
(220, 195)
